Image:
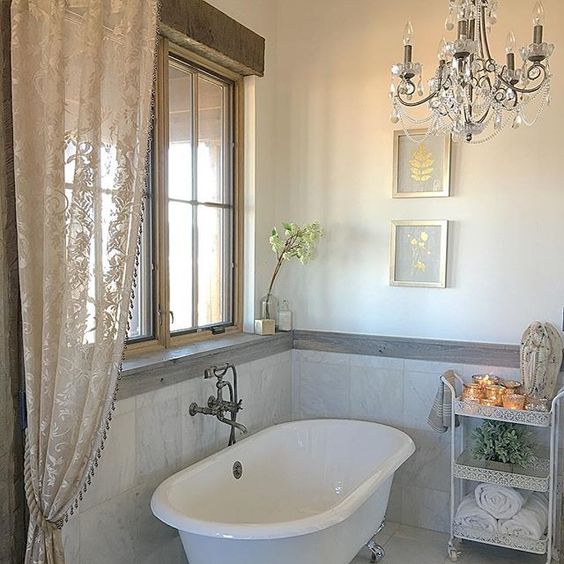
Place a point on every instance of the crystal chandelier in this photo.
(472, 96)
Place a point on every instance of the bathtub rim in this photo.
(283, 529)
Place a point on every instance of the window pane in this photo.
(180, 133)
(211, 127)
(214, 261)
(141, 323)
(180, 265)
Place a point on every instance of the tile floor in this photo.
(408, 545)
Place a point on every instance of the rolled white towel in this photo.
(470, 515)
(500, 502)
(531, 522)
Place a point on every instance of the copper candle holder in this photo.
(473, 392)
(537, 404)
(494, 393)
(485, 379)
(490, 403)
(513, 387)
(514, 401)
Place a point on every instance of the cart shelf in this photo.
(523, 417)
(533, 477)
(503, 540)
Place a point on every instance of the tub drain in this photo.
(237, 470)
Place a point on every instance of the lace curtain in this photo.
(82, 80)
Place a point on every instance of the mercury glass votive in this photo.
(494, 393)
(512, 386)
(537, 404)
(485, 379)
(514, 401)
(472, 392)
(490, 403)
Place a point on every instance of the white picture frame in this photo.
(418, 253)
(421, 170)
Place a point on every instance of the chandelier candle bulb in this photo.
(510, 50)
(407, 42)
(408, 34)
(538, 22)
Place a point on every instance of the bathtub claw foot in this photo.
(378, 552)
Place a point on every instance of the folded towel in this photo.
(470, 515)
(500, 502)
(531, 522)
(440, 417)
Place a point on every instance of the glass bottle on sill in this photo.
(269, 305)
(284, 317)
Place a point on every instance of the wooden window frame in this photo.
(161, 304)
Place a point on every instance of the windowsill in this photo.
(138, 374)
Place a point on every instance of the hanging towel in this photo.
(500, 502)
(531, 522)
(440, 416)
(470, 515)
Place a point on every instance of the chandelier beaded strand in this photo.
(471, 95)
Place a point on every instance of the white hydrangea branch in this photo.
(298, 242)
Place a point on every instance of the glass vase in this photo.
(269, 306)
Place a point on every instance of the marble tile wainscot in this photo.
(393, 381)
(388, 380)
(152, 436)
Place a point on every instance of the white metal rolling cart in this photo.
(540, 476)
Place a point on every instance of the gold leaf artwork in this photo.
(420, 251)
(421, 164)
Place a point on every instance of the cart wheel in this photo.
(453, 554)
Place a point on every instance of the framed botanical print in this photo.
(421, 165)
(418, 254)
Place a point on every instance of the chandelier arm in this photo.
(484, 33)
(419, 102)
(484, 116)
(524, 90)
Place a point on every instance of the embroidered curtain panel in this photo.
(82, 81)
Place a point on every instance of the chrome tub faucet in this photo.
(219, 407)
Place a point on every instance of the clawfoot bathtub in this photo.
(308, 492)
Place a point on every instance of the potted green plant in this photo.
(297, 242)
(501, 446)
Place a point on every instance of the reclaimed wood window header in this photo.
(200, 27)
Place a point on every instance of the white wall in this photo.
(333, 162)
(260, 16)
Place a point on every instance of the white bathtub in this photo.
(311, 492)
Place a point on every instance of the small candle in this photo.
(512, 386)
(495, 393)
(485, 379)
(537, 404)
(472, 392)
(490, 403)
(514, 401)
